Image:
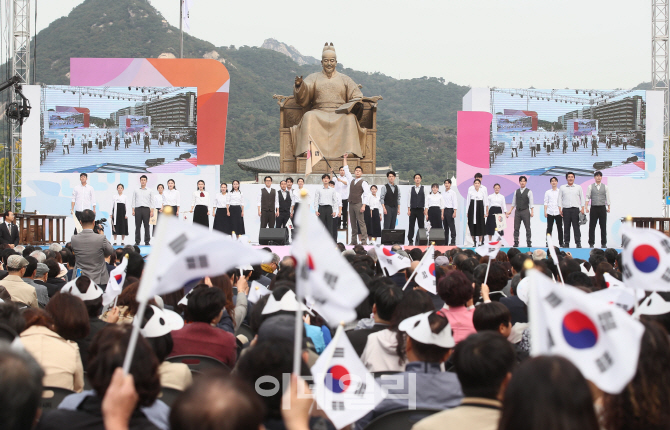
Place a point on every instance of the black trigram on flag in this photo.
(199, 262)
(178, 244)
(360, 391)
(338, 406)
(339, 353)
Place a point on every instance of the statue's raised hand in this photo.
(298, 81)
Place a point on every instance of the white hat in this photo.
(655, 304)
(418, 328)
(522, 290)
(92, 293)
(161, 323)
(288, 303)
(589, 272)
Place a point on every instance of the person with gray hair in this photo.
(21, 394)
(39, 256)
(19, 248)
(55, 247)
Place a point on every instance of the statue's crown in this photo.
(327, 47)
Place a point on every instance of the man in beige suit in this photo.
(20, 291)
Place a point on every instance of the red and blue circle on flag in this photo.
(338, 379)
(646, 258)
(579, 331)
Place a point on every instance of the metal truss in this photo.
(21, 67)
(660, 80)
(147, 93)
(596, 97)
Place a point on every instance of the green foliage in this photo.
(416, 119)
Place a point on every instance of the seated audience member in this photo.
(29, 278)
(427, 346)
(456, 290)
(91, 295)
(39, 255)
(517, 308)
(200, 336)
(41, 274)
(579, 279)
(237, 406)
(386, 298)
(54, 281)
(156, 329)
(236, 307)
(12, 322)
(548, 393)
(484, 364)
(108, 350)
(126, 304)
(643, 402)
(21, 393)
(496, 281)
(20, 291)
(493, 316)
(135, 264)
(58, 357)
(384, 350)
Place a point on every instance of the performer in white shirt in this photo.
(551, 211)
(325, 202)
(221, 217)
(236, 209)
(514, 147)
(477, 204)
(449, 214)
(496, 206)
(83, 197)
(336, 219)
(342, 181)
(373, 215)
(268, 204)
(285, 201)
(119, 215)
(66, 144)
(171, 197)
(158, 202)
(200, 205)
(435, 206)
(416, 208)
(297, 199)
(84, 144)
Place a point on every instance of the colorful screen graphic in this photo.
(59, 120)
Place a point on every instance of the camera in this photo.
(99, 226)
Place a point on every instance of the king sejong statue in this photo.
(333, 103)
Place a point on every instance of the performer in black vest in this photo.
(417, 207)
(523, 201)
(359, 190)
(389, 197)
(268, 204)
(285, 205)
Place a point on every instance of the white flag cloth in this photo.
(425, 271)
(324, 277)
(621, 296)
(602, 340)
(611, 281)
(115, 283)
(491, 249)
(185, 14)
(645, 259)
(257, 291)
(186, 252)
(77, 224)
(343, 387)
(391, 261)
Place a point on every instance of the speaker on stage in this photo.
(436, 235)
(273, 236)
(393, 237)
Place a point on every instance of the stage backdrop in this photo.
(629, 136)
(51, 193)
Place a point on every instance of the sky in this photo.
(508, 44)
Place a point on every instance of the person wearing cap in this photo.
(41, 275)
(29, 278)
(423, 384)
(91, 250)
(484, 363)
(157, 327)
(17, 288)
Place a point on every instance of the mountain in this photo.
(416, 118)
(289, 51)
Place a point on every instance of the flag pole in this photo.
(181, 28)
(552, 252)
(488, 266)
(147, 276)
(298, 327)
(414, 272)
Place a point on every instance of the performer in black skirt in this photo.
(200, 205)
(477, 203)
(496, 206)
(372, 215)
(435, 204)
(119, 217)
(221, 217)
(236, 209)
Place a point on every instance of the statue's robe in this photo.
(334, 133)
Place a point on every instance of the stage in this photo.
(282, 251)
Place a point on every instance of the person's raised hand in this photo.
(113, 315)
(120, 401)
(296, 404)
(242, 285)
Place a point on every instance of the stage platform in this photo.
(282, 251)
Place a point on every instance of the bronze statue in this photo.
(334, 101)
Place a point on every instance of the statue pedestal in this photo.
(322, 167)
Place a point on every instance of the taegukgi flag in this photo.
(343, 387)
(115, 283)
(645, 259)
(257, 291)
(324, 277)
(391, 261)
(602, 340)
(491, 248)
(425, 271)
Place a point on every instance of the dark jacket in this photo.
(9, 237)
(54, 285)
(359, 338)
(96, 325)
(517, 308)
